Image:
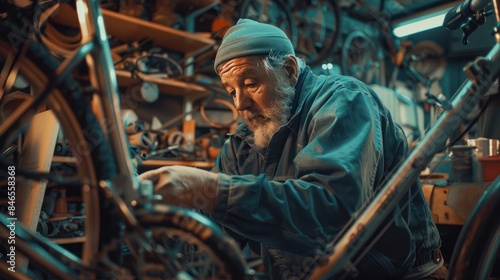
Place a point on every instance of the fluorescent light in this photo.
(420, 24)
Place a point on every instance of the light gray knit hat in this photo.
(249, 37)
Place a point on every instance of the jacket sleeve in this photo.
(334, 175)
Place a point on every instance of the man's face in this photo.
(262, 107)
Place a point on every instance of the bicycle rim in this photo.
(477, 249)
(274, 12)
(191, 246)
(319, 25)
(33, 69)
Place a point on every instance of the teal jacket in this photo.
(318, 170)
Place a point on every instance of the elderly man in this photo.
(311, 151)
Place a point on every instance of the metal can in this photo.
(461, 163)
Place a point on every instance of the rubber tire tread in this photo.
(71, 89)
(295, 30)
(293, 26)
(477, 235)
(194, 223)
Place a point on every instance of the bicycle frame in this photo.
(103, 78)
(96, 51)
(481, 74)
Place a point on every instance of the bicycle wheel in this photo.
(477, 249)
(29, 68)
(318, 23)
(274, 12)
(193, 247)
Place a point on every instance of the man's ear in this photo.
(292, 69)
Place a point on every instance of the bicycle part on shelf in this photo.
(226, 103)
(147, 92)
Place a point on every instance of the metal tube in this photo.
(476, 5)
(103, 77)
(482, 73)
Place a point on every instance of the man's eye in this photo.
(232, 93)
(249, 82)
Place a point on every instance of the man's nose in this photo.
(242, 101)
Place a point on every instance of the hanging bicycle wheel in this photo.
(361, 58)
(274, 12)
(318, 23)
(28, 139)
(35, 98)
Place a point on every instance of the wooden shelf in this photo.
(64, 159)
(167, 86)
(161, 162)
(68, 240)
(130, 29)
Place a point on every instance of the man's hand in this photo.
(185, 186)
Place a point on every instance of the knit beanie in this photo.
(249, 37)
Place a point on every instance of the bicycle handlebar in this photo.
(461, 13)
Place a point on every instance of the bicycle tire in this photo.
(68, 103)
(319, 23)
(200, 237)
(71, 107)
(278, 14)
(478, 244)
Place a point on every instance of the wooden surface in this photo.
(154, 163)
(131, 29)
(442, 213)
(166, 86)
(36, 155)
(453, 203)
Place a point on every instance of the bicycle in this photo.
(127, 233)
(478, 245)
(94, 173)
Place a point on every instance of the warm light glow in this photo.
(420, 24)
(82, 10)
(102, 28)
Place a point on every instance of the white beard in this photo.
(264, 133)
(277, 115)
